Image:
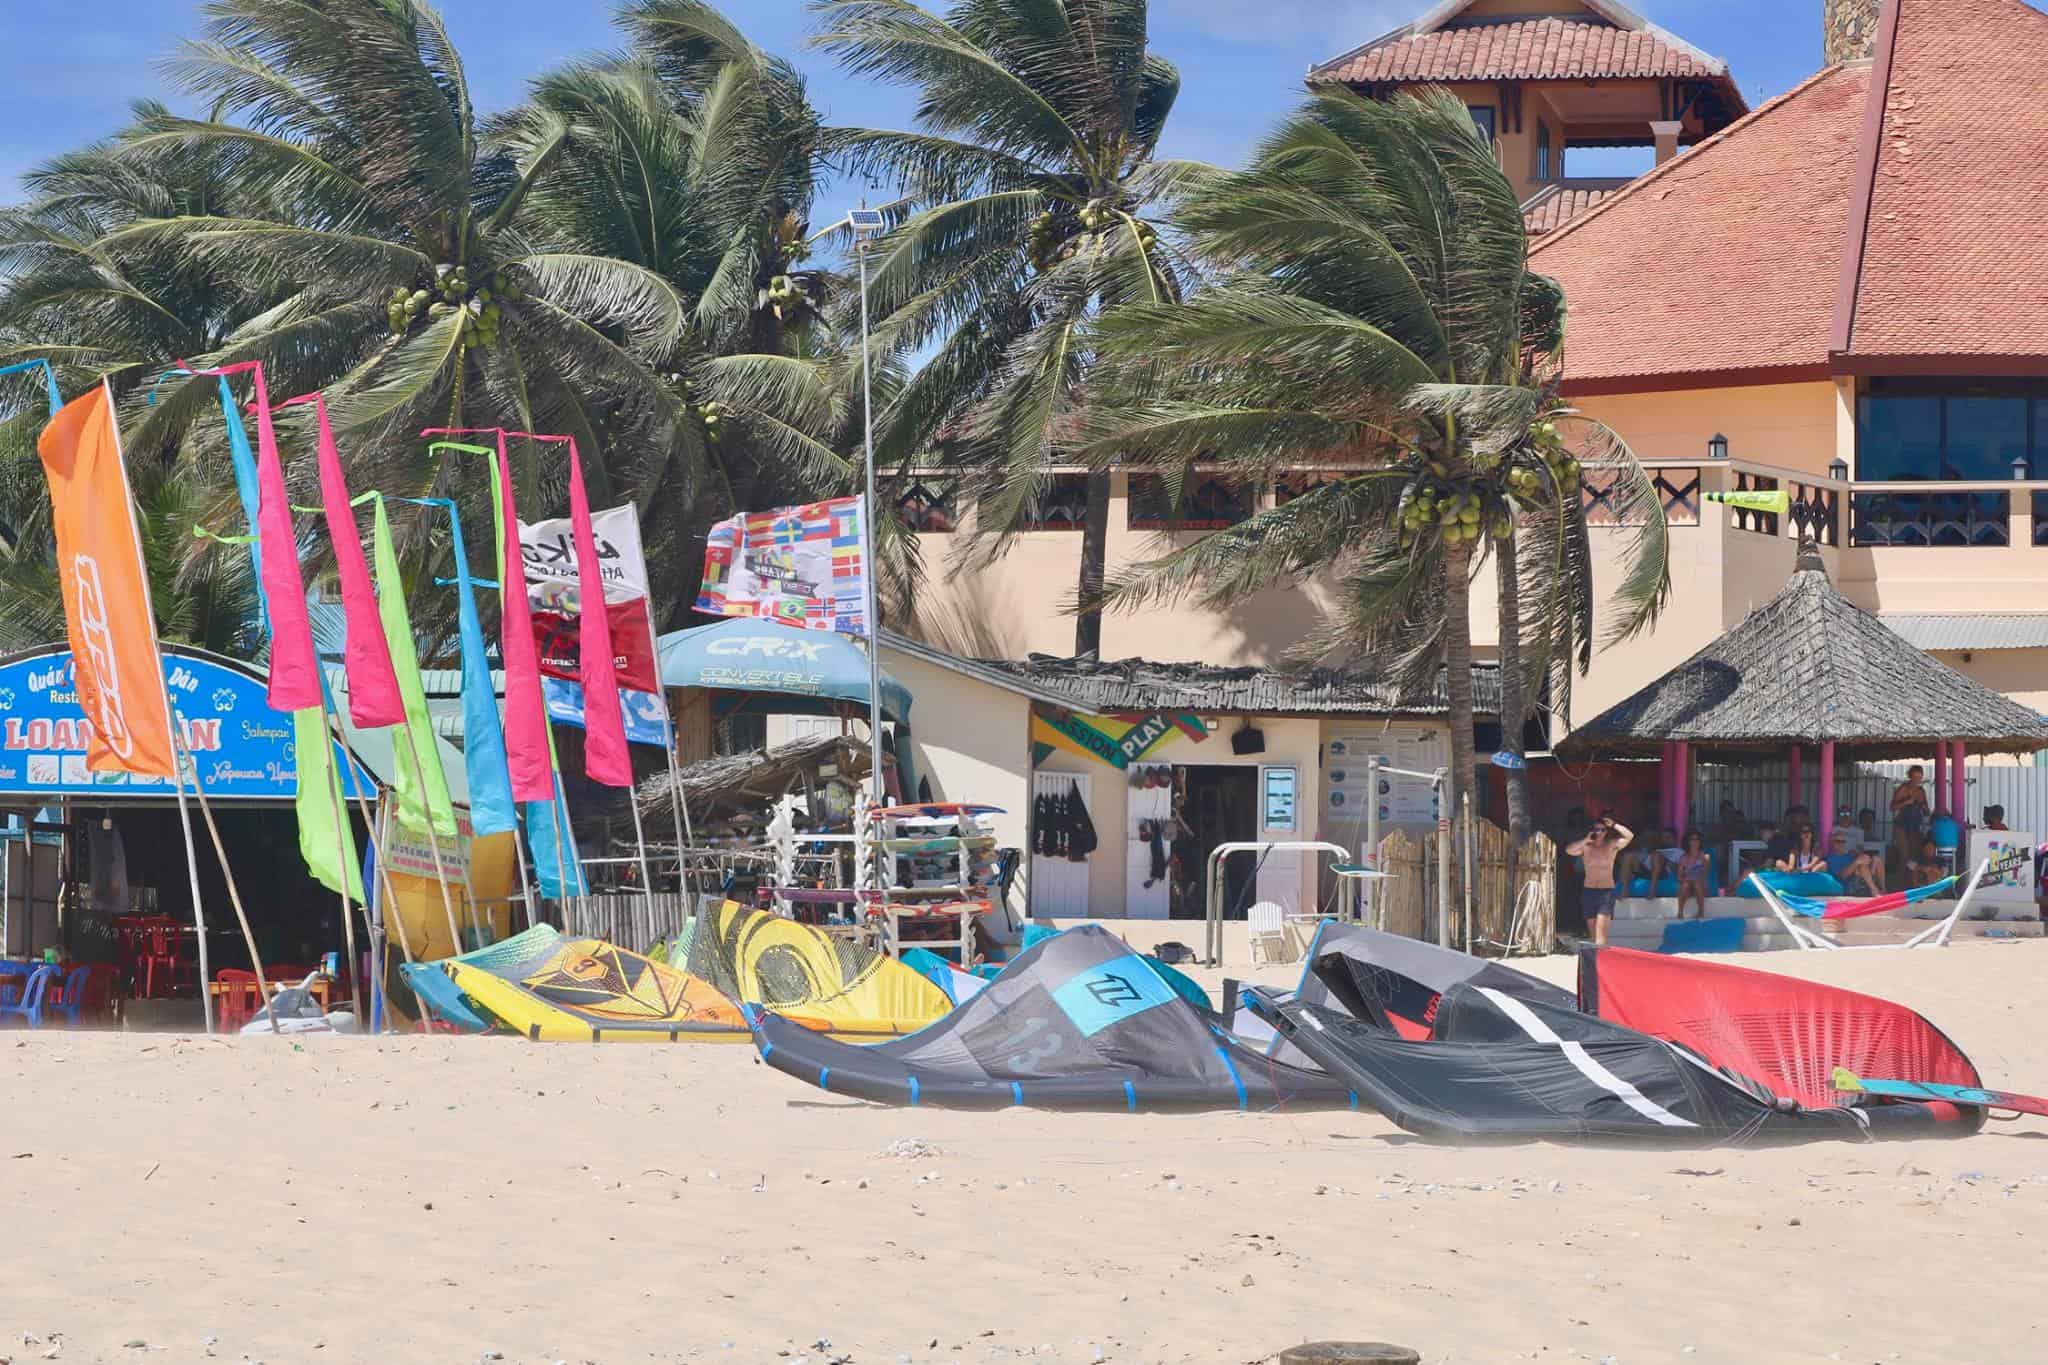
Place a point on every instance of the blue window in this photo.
(1482, 119)
(1966, 431)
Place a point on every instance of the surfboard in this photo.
(942, 844)
(1851, 1083)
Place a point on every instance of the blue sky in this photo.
(68, 72)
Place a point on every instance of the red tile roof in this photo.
(1551, 207)
(1530, 49)
(1725, 258)
(1952, 260)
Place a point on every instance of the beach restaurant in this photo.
(96, 876)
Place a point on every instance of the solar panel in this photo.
(866, 221)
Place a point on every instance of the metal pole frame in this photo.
(1373, 911)
(867, 530)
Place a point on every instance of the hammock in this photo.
(1814, 907)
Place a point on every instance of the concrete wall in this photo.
(1018, 605)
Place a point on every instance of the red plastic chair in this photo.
(237, 1003)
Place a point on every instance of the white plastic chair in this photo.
(1266, 924)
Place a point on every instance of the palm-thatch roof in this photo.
(1809, 666)
(731, 784)
(1105, 687)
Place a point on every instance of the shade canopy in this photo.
(777, 670)
(1805, 667)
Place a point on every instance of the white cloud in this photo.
(1332, 26)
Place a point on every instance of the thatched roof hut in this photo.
(733, 784)
(1810, 667)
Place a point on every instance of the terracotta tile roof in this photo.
(1529, 49)
(1551, 207)
(1725, 258)
(1952, 261)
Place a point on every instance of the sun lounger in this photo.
(1796, 913)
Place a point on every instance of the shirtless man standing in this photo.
(1598, 850)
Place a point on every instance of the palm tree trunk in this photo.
(1094, 562)
(1514, 706)
(1457, 562)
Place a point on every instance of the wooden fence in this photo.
(1407, 902)
(630, 921)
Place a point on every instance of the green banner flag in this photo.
(326, 840)
(1753, 501)
(417, 776)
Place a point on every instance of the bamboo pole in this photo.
(419, 770)
(228, 873)
(192, 875)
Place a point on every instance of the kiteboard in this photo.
(942, 844)
(932, 811)
(1849, 1082)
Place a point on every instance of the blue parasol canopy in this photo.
(782, 669)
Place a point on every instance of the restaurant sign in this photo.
(242, 749)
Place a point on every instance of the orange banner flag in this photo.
(107, 611)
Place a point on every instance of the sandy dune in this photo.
(437, 1199)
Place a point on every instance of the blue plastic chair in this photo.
(13, 976)
(30, 1007)
(74, 993)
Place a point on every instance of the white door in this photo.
(1059, 886)
(1148, 805)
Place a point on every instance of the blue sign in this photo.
(642, 710)
(244, 751)
(1504, 759)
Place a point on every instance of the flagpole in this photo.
(369, 823)
(192, 872)
(519, 861)
(680, 814)
(867, 531)
(419, 772)
(170, 719)
(234, 894)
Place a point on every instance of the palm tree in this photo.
(341, 214)
(1373, 313)
(693, 157)
(1035, 193)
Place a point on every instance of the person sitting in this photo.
(1927, 867)
(1694, 868)
(1802, 856)
(1653, 862)
(1732, 825)
(1777, 842)
(1854, 867)
(1994, 817)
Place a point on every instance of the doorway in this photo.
(1216, 804)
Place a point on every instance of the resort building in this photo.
(1844, 296)
(1543, 77)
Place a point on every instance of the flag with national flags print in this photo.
(804, 567)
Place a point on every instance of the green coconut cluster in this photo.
(481, 309)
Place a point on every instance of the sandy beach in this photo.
(443, 1199)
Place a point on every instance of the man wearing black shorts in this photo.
(1597, 851)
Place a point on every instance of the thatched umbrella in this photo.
(1810, 667)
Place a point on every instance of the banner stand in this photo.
(234, 894)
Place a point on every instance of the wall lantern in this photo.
(1717, 447)
(1838, 469)
(2020, 473)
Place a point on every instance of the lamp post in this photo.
(866, 223)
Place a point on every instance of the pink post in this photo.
(1958, 788)
(1679, 782)
(1794, 759)
(1940, 777)
(1667, 769)
(1827, 791)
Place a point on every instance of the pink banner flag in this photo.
(373, 699)
(526, 719)
(604, 720)
(294, 662)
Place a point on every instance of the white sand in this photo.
(651, 1203)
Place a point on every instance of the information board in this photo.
(1402, 801)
